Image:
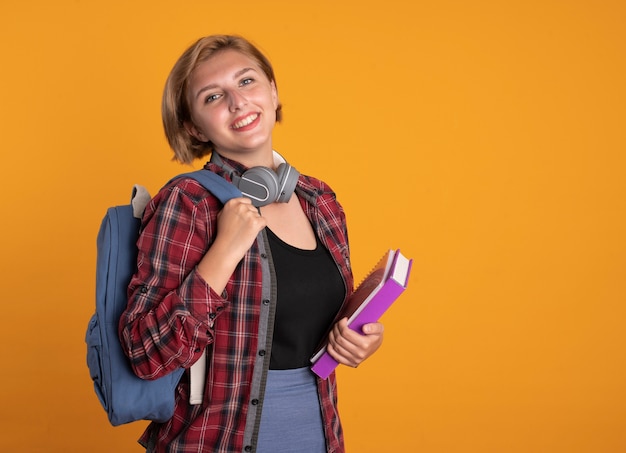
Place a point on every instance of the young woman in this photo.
(254, 284)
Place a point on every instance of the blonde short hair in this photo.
(175, 110)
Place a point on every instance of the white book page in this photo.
(400, 272)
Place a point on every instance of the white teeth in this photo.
(245, 121)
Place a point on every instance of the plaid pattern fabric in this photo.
(173, 315)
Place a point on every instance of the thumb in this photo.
(372, 328)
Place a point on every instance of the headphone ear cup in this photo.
(287, 177)
(260, 184)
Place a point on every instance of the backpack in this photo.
(124, 396)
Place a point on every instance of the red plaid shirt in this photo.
(173, 315)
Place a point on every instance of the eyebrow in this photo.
(214, 85)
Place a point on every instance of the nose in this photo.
(236, 100)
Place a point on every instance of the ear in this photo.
(195, 132)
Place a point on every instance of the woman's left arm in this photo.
(351, 348)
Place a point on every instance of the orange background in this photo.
(486, 139)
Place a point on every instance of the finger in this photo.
(345, 345)
(374, 328)
(238, 201)
(342, 355)
(245, 206)
(346, 336)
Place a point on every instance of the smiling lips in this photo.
(245, 121)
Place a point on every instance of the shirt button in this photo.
(212, 315)
(144, 289)
(254, 402)
(262, 352)
(266, 301)
(247, 448)
(264, 255)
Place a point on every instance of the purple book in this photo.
(376, 293)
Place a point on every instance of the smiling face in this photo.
(233, 105)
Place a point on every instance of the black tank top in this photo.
(310, 293)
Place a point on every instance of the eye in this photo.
(211, 98)
(246, 81)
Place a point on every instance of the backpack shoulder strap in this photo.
(224, 191)
(214, 183)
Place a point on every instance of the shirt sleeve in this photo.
(171, 309)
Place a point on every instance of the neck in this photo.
(271, 160)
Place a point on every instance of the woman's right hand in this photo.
(238, 225)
